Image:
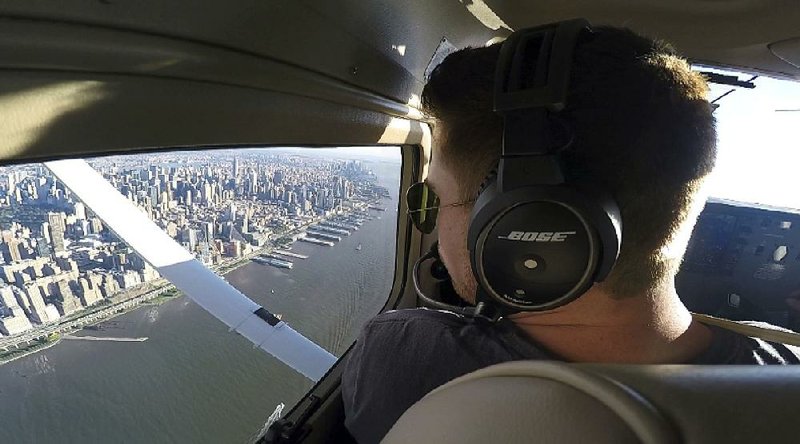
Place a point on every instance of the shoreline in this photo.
(27, 353)
(221, 269)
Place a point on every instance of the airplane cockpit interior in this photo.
(202, 204)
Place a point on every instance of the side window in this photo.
(744, 258)
(97, 346)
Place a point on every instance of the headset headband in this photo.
(531, 86)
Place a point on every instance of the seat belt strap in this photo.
(767, 334)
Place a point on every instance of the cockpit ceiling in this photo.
(736, 33)
(384, 46)
(309, 72)
(380, 46)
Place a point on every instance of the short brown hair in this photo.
(644, 132)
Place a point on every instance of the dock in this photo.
(313, 240)
(290, 254)
(332, 230)
(95, 338)
(339, 225)
(324, 236)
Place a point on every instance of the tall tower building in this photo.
(46, 231)
(13, 251)
(231, 216)
(235, 166)
(56, 232)
(80, 211)
(245, 222)
(208, 231)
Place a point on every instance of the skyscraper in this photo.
(46, 231)
(208, 231)
(11, 251)
(231, 212)
(80, 211)
(56, 232)
(235, 166)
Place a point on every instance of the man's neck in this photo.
(647, 329)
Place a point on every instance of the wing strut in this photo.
(180, 267)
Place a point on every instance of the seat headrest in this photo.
(539, 401)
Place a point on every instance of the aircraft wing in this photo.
(180, 267)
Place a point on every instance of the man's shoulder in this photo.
(397, 334)
(417, 316)
(399, 357)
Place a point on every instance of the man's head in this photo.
(644, 133)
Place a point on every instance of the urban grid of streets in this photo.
(62, 269)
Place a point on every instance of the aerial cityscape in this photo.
(62, 269)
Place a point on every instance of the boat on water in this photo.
(358, 248)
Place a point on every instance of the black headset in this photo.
(538, 238)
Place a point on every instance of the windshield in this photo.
(758, 145)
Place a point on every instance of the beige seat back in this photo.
(550, 402)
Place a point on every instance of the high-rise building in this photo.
(207, 195)
(7, 298)
(45, 229)
(56, 232)
(14, 322)
(35, 306)
(253, 182)
(235, 166)
(96, 225)
(42, 247)
(155, 194)
(208, 231)
(89, 293)
(245, 223)
(189, 238)
(231, 216)
(12, 251)
(80, 211)
(12, 182)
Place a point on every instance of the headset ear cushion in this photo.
(490, 178)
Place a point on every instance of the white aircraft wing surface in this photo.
(180, 267)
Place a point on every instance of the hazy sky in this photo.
(379, 153)
(758, 147)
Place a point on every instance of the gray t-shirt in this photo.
(402, 355)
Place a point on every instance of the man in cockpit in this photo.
(644, 131)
